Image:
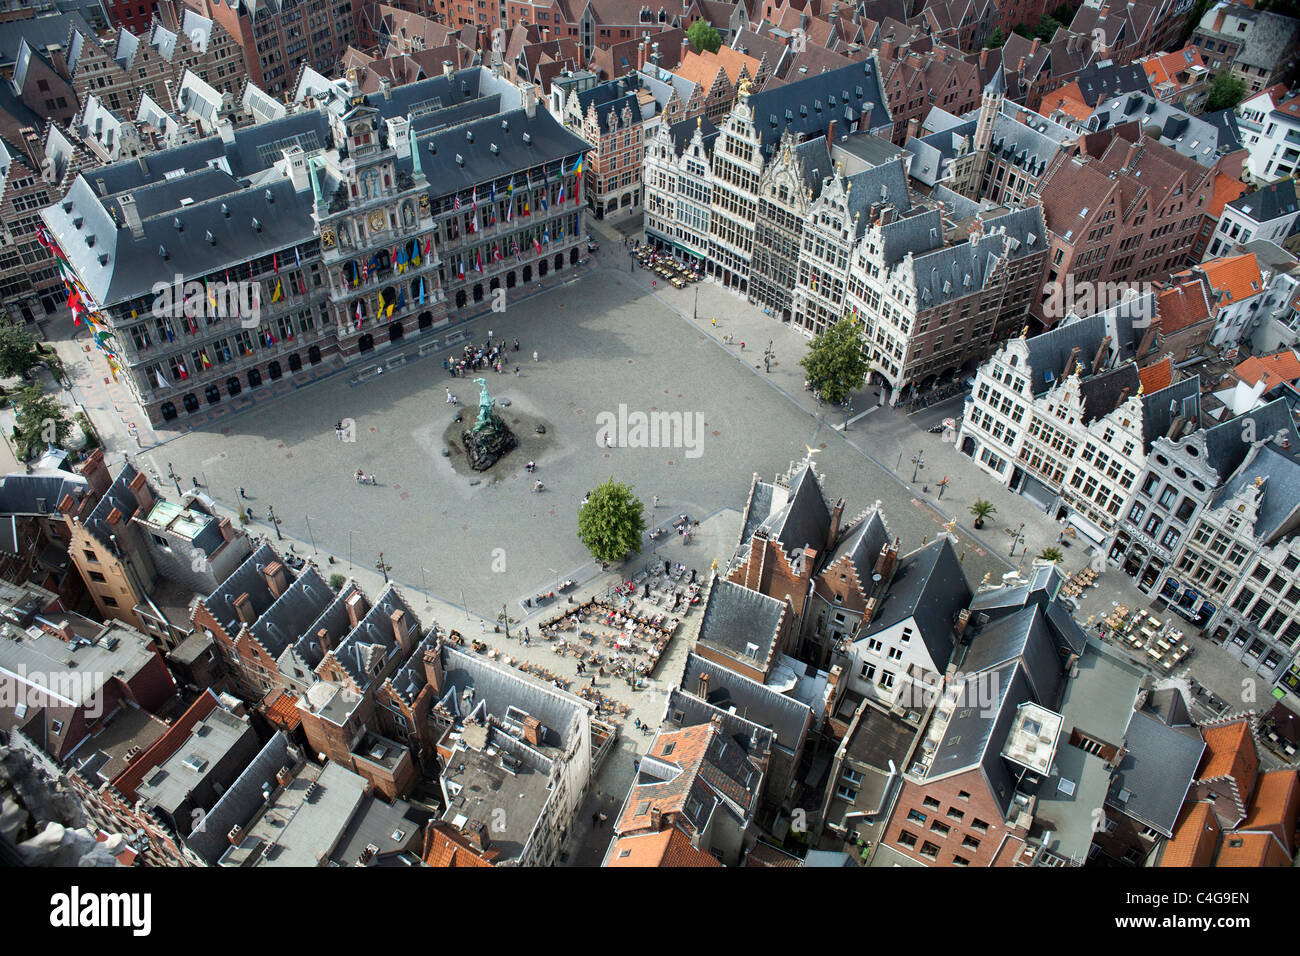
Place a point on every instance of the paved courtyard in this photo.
(602, 344)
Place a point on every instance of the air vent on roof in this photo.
(76, 223)
(180, 226)
(505, 124)
(90, 239)
(460, 160)
(67, 207)
(225, 210)
(469, 135)
(269, 197)
(162, 251)
(103, 258)
(212, 240)
(528, 139)
(257, 224)
(494, 149)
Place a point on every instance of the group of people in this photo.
(363, 479)
(493, 355)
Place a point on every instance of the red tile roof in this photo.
(1157, 376)
(1230, 752)
(445, 846)
(1226, 189)
(1165, 67)
(1195, 839)
(1275, 806)
(1251, 850)
(1182, 306)
(1274, 369)
(671, 847)
(283, 711)
(1238, 276)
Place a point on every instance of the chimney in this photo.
(807, 561)
(401, 631)
(830, 132)
(640, 55)
(131, 215)
(1070, 363)
(533, 731)
(275, 578)
(887, 561)
(433, 667)
(656, 819)
(236, 835)
(1174, 427)
(913, 126)
(703, 689)
(869, 611)
(962, 620)
(283, 776)
(145, 499)
(386, 87)
(529, 99)
(833, 532)
(1100, 357)
(1123, 396)
(448, 69)
(323, 639)
(244, 609)
(477, 834)
(356, 605)
(686, 48)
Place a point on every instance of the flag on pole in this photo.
(278, 293)
(478, 261)
(457, 206)
(275, 262)
(162, 382)
(537, 245)
(546, 188)
(180, 370)
(421, 290)
(526, 212)
(515, 247)
(496, 252)
(381, 301)
(358, 313)
(460, 267)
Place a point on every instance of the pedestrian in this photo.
(742, 346)
(534, 355)
(195, 482)
(654, 501)
(448, 396)
(516, 370)
(516, 345)
(526, 633)
(595, 820)
(482, 626)
(242, 494)
(715, 321)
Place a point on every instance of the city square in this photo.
(602, 343)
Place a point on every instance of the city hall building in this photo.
(359, 220)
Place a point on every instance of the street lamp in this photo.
(697, 303)
(171, 473)
(275, 522)
(307, 518)
(383, 568)
(918, 462)
(942, 485)
(1020, 536)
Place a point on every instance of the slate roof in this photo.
(1097, 81)
(39, 493)
(238, 804)
(119, 496)
(928, 586)
(1049, 351)
(1280, 474)
(1023, 635)
(1268, 202)
(1104, 392)
(39, 32)
(1224, 449)
(248, 579)
(1197, 137)
(1156, 771)
(735, 617)
(862, 546)
(806, 106)
(1159, 409)
(805, 521)
(787, 718)
(612, 95)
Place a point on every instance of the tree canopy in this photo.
(703, 36)
(835, 364)
(612, 522)
(18, 354)
(41, 421)
(1226, 91)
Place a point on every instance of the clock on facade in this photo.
(376, 220)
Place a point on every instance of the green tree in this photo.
(982, 509)
(612, 521)
(41, 421)
(1226, 91)
(995, 40)
(834, 363)
(703, 36)
(1047, 28)
(337, 581)
(1052, 554)
(18, 353)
